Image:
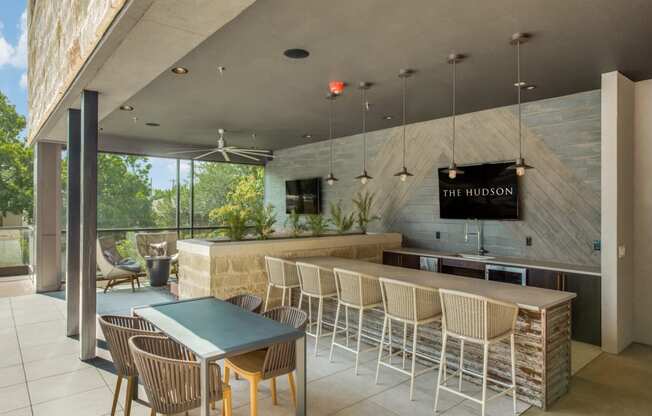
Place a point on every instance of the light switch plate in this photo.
(622, 251)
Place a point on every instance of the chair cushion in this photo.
(158, 249)
(129, 265)
(251, 362)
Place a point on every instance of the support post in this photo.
(88, 225)
(73, 226)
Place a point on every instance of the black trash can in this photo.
(158, 270)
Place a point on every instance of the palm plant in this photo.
(317, 224)
(263, 219)
(363, 204)
(341, 221)
(295, 224)
(234, 217)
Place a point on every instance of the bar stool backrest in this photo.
(171, 374)
(357, 289)
(476, 317)
(315, 281)
(409, 302)
(280, 358)
(281, 272)
(117, 331)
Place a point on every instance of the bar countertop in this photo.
(505, 261)
(531, 298)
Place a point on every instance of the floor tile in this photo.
(369, 408)
(51, 350)
(51, 367)
(64, 385)
(96, 402)
(25, 411)
(13, 397)
(12, 375)
(41, 333)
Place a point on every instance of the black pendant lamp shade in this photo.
(364, 177)
(330, 179)
(519, 164)
(404, 74)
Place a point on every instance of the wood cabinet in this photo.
(464, 268)
(410, 261)
(547, 279)
(586, 307)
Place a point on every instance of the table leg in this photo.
(302, 402)
(205, 405)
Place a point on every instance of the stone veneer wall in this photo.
(560, 197)
(230, 268)
(62, 35)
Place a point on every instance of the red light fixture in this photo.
(336, 87)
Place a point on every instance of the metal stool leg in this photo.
(337, 317)
(380, 350)
(357, 354)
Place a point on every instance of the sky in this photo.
(13, 52)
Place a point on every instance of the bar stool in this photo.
(319, 284)
(484, 321)
(356, 291)
(412, 305)
(281, 274)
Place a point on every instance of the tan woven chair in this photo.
(483, 321)
(281, 274)
(412, 305)
(356, 291)
(171, 376)
(249, 302)
(269, 363)
(319, 284)
(117, 331)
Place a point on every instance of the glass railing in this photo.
(16, 250)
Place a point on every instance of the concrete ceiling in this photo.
(573, 43)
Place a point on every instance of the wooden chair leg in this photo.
(274, 398)
(133, 287)
(129, 398)
(116, 394)
(227, 375)
(152, 413)
(293, 388)
(227, 404)
(253, 397)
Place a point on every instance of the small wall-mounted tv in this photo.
(303, 196)
(485, 192)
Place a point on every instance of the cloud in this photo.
(15, 55)
(23, 81)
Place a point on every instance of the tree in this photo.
(16, 161)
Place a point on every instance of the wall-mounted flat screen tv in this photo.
(485, 192)
(303, 196)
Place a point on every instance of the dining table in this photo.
(214, 329)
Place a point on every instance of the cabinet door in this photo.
(410, 261)
(547, 279)
(391, 259)
(586, 307)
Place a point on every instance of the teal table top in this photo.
(215, 329)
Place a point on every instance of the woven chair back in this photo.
(117, 331)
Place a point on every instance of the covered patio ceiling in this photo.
(281, 100)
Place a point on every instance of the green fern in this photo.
(341, 221)
(317, 224)
(364, 204)
(294, 223)
(263, 219)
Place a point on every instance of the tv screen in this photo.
(485, 192)
(303, 196)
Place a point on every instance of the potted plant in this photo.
(234, 217)
(341, 221)
(263, 219)
(295, 224)
(317, 224)
(363, 204)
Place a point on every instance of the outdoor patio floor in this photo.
(40, 373)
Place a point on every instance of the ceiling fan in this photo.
(225, 151)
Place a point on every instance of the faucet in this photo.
(477, 234)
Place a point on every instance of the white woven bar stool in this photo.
(356, 291)
(281, 274)
(412, 305)
(319, 284)
(472, 318)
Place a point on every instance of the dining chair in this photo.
(247, 301)
(117, 331)
(355, 291)
(479, 320)
(171, 376)
(281, 274)
(412, 305)
(269, 363)
(316, 283)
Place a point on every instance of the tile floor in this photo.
(41, 375)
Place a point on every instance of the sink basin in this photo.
(475, 256)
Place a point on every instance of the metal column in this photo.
(73, 213)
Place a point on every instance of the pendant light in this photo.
(519, 164)
(331, 179)
(404, 74)
(453, 170)
(364, 177)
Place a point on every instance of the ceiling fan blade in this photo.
(187, 151)
(206, 154)
(246, 156)
(225, 155)
(258, 151)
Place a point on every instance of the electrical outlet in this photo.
(528, 241)
(437, 235)
(597, 245)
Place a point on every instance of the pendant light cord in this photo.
(364, 130)
(518, 89)
(330, 131)
(454, 103)
(404, 112)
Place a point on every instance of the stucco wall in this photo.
(560, 197)
(62, 35)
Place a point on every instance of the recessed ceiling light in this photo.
(387, 117)
(307, 136)
(179, 70)
(152, 124)
(126, 108)
(296, 53)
